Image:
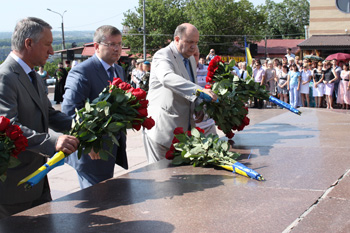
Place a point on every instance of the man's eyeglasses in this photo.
(112, 45)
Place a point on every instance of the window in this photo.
(343, 5)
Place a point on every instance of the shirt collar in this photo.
(104, 64)
(24, 65)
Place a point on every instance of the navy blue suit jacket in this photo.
(86, 81)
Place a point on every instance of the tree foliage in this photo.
(221, 23)
(224, 19)
(162, 18)
(211, 17)
(286, 19)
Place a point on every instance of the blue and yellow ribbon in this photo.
(284, 105)
(243, 170)
(205, 96)
(35, 177)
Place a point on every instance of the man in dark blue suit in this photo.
(86, 81)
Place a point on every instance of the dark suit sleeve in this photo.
(77, 90)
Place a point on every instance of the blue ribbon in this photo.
(284, 105)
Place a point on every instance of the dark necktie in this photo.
(32, 75)
(188, 68)
(111, 73)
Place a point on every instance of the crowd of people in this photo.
(304, 83)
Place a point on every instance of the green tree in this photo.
(162, 17)
(218, 21)
(214, 19)
(286, 19)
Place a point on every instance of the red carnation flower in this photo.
(144, 103)
(131, 89)
(136, 125)
(124, 86)
(217, 59)
(230, 134)
(200, 130)
(212, 67)
(148, 123)
(139, 93)
(172, 148)
(169, 155)
(175, 140)
(4, 123)
(246, 121)
(208, 79)
(178, 130)
(116, 82)
(207, 86)
(13, 132)
(21, 143)
(188, 133)
(142, 112)
(241, 127)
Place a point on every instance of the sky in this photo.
(80, 15)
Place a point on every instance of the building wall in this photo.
(326, 18)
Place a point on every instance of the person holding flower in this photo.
(172, 91)
(86, 81)
(23, 100)
(293, 85)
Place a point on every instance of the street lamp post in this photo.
(63, 42)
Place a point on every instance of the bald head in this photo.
(186, 38)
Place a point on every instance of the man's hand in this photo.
(198, 116)
(209, 92)
(93, 155)
(67, 144)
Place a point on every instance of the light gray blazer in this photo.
(171, 94)
(33, 112)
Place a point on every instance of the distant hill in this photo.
(79, 37)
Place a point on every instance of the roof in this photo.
(326, 41)
(89, 50)
(279, 46)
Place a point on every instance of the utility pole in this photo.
(144, 31)
(63, 42)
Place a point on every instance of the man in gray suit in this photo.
(172, 89)
(86, 81)
(24, 102)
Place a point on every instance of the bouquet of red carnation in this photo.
(193, 147)
(230, 113)
(118, 107)
(12, 142)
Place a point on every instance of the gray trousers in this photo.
(154, 151)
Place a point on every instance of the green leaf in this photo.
(115, 126)
(104, 155)
(13, 162)
(195, 133)
(177, 160)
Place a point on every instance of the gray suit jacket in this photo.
(171, 94)
(86, 81)
(33, 112)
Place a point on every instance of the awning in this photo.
(326, 42)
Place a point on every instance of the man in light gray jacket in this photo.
(172, 89)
